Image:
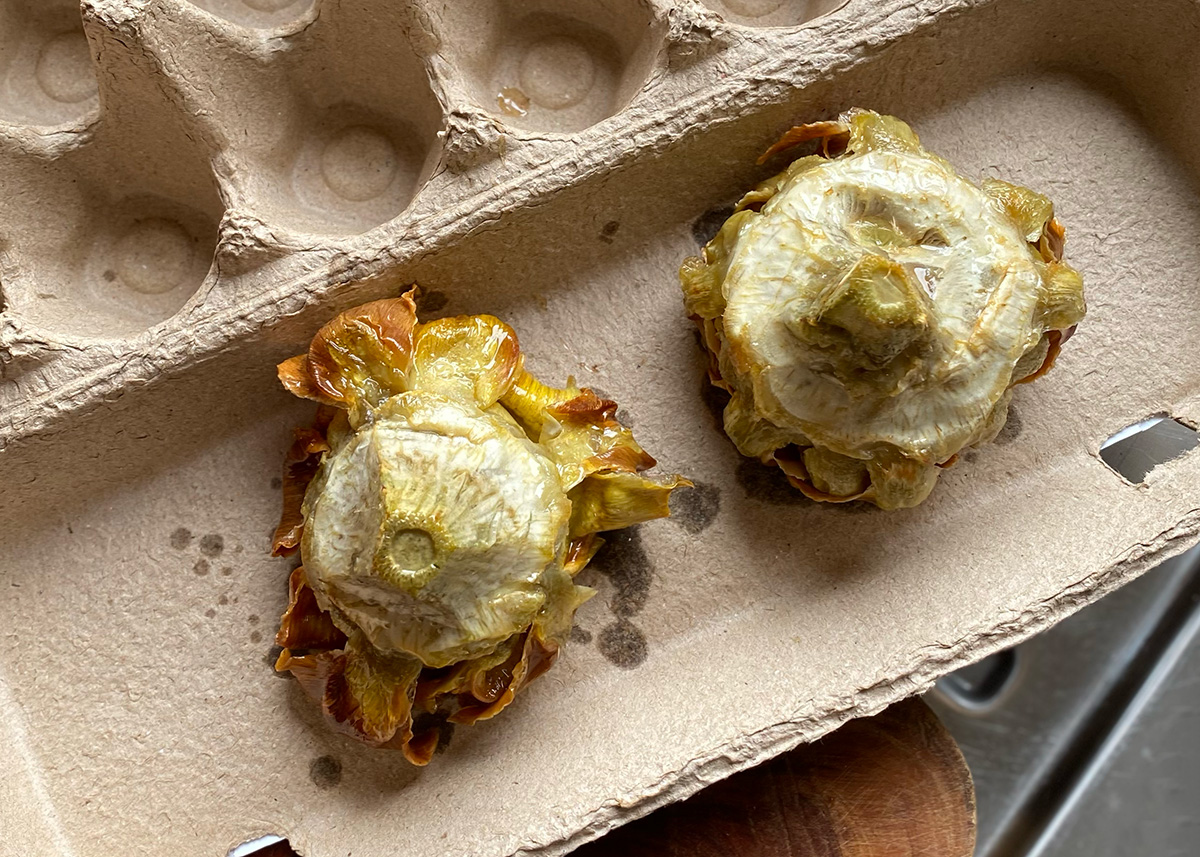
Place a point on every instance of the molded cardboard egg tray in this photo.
(189, 189)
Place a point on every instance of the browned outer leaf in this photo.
(299, 466)
(824, 131)
(1057, 339)
(536, 656)
(318, 374)
(476, 693)
(304, 625)
(893, 785)
(296, 378)
(586, 407)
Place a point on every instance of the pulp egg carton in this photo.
(189, 189)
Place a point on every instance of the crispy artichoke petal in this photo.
(362, 693)
(304, 624)
(876, 132)
(900, 483)
(612, 501)
(379, 692)
(528, 400)
(359, 358)
(1028, 209)
(474, 356)
(299, 467)
(823, 132)
(1055, 340)
(530, 659)
(583, 437)
(762, 194)
(481, 677)
(701, 276)
(754, 436)
(580, 551)
(1062, 305)
(835, 474)
(1053, 241)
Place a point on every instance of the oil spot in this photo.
(210, 613)
(325, 772)
(276, 483)
(766, 482)
(624, 561)
(512, 101)
(609, 231)
(256, 636)
(707, 225)
(181, 538)
(432, 301)
(212, 545)
(110, 275)
(226, 571)
(252, 619)
(426, 721)
(223, 600)
(970, 456)
(579, 635)
(623, 644)
(1012, 428)
(201, 567)
(696, 508)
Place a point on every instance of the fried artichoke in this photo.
(443, 503)
(870, 311)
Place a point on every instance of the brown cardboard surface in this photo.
(138, 445)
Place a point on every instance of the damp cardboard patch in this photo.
(191, 189)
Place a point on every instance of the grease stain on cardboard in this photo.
(325, 772)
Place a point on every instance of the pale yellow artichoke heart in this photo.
(438, 529)
(981, 282)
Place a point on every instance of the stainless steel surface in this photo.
(1136, 450)
(1141, 792)
(1083, 739)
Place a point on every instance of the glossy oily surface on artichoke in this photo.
(442, 503)
(870, 311)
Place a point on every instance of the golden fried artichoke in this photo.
(870, 311)
(442, 504)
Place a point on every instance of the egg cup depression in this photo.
(442, 503)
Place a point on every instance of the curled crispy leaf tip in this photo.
(409, 392)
